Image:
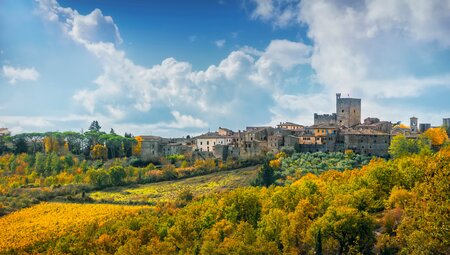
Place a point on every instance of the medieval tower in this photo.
(413, 125)
(348, 111)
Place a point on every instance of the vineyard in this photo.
(168, 190)
(47, 221)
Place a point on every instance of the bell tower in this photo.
(413, 125)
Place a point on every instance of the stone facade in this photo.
(446, 122)
(366, 142)
(154, 147)
(290, 126)
(348, 111)
(329, 119)
(424, 127)
(206, 142)
(414, 125)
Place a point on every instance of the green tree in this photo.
(349, 227)
(266, 175)
(117, 174)
(95, 126)
(20, 144)
(39, 164)
(402, 146)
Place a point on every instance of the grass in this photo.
(168, 190)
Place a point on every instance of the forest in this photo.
(311, 203)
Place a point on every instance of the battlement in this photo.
(324, 118)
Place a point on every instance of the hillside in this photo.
(386, 207)
(169, 190)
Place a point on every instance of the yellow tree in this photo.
(51, 144)
(137, 149)
(99, 151)
(437, 136)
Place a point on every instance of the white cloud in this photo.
(219, 93)
(186, 121)
(15, 74)
(220, 43)
(372, 48)
(264, 9)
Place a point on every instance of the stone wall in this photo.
(348, 111)
(324, 119)
(372, 145)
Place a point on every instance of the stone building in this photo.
(254, 141)
(290, 126)
(155, 147)
(364, 141)
(152, 148)
(225, 131)
(446, 122)
(329, 119)
(348, 111)
(376, 124)
(423, 127)
(206, 142)
(414, 125)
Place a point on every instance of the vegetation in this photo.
(48, 221)
(171, 190)
(403, 200)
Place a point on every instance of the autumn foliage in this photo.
(437, 136)
(386, 207)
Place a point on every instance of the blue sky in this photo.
(174, 68)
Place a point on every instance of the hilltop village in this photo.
(341, 131)
(336, 132)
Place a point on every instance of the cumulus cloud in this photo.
(371, 48)
(184, 121)
(225, 92)
(15, 74)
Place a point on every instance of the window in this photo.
(207, 142)
(201, 143)
(342, 110)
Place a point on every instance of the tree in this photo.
(117, 174)
(402, 146)
(20, 144)
(137, 149)
(266, 175)
(437, 136)
(95, 126)
(99, 151)
(318, 248)
(349, 227)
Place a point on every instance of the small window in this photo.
(207, 142)
(342, 110)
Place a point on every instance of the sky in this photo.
(177, 68)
